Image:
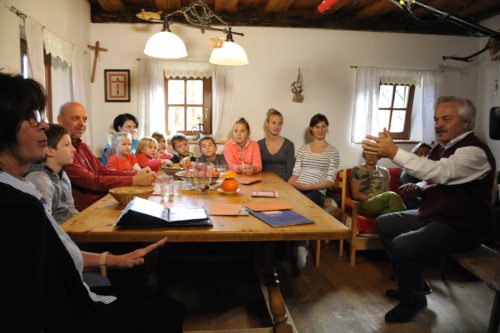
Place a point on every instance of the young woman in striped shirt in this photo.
(315, 169)
(316, 163)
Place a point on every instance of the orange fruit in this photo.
(229, 174)
(215, 173)
(229, 185)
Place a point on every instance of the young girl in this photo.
(242, 154)
(146, 154)
(123, 159)
(208, 150)
(162, 152)
(124, 122)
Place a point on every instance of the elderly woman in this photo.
(44, 283)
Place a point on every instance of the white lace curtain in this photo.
(38, 37)
(57, 47)
(34, 41)
(151, 95)
(365, 107)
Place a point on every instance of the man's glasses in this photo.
(38, 117)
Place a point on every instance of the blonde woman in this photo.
(277, 152)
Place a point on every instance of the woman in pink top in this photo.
(146, 154)
(241, 153)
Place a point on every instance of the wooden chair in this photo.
(337, 212)
(366, 238)
(362, 228)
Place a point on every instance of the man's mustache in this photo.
(440, 130)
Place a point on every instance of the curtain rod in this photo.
(17, 11)
(24, 16)
(403, 69)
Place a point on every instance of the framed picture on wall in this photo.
(117, 85)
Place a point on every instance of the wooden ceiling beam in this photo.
(376, 9)
(277, 6)
(167, 5)
(111, 5)
(226, 6)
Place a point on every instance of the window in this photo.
(48, 77)
(394, 109)
(188, 105)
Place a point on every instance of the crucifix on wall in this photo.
(97, 47)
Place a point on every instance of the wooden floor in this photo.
(338, 297)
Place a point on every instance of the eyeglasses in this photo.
(38, 117)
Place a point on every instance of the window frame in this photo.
(206, 106)
(405, 134)
(47, 60)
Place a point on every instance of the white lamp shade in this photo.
(165, 45)
(230, 54)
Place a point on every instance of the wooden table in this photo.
(96, 224)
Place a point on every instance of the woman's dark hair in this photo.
(54, 134)
(316, 119)
(18, 98)
(122, 118)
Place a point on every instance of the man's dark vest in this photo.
(466, 206)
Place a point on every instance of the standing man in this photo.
(456, 208)
(90, 180)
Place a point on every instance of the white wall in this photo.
(70, 20)
(275, 54)
(487, 96)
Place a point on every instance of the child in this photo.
(208, 150)
(49, 177)
(124, 122)
(123, 159)
(182, 154)
(243, 154)
(146, 152)
(162, 152)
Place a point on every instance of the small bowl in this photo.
(126, 193)
(182, 175)
(172, 169)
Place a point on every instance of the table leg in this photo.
(267, 272)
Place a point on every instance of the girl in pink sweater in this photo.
(241, 153)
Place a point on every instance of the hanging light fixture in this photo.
(165, 44)
(168, 45)
(229, 54)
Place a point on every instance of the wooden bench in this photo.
(485, 264)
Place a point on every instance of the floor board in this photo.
(338, 297)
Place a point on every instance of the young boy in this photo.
(208, 149)
(49, 177)
(182, 154)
